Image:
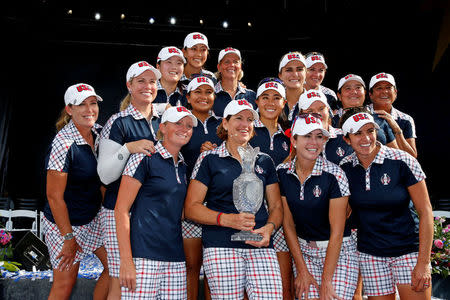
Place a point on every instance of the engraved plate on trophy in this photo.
(248, 191)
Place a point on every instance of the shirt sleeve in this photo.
(411, 170)
(59, 157)
(136, 167)
(269, 167)
(201, 171)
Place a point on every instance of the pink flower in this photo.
(439, 244)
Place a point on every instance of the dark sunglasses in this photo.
(309, 54)
(356, 109)
(269, 79)
(305, 115)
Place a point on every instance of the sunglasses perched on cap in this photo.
(356, 109)
(313, 53)
(201, 75)
(306, 115)
(269, 79)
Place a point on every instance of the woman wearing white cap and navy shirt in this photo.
(232, 267)
(196, 51)
(200, 96)
(170, 63)
(229, 75)
(394, 245)
(316, 69)
(71, 221)
(315, 200)
(153, 188)
(132, 130)
(271, 139)
(383, 93)
(292, 72)
(352, 93)
(335, 148)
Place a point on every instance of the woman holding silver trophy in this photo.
(233, 179)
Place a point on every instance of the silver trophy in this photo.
(248, 191)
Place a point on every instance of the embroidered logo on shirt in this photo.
(385, 179)
(285, 146)
(340, 152)
(317, 191)
(259, 169)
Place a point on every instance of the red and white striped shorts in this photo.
(88, 236)
(345, 276)
(230, 271)
(110, 240)
(158, 280)
(380, 275)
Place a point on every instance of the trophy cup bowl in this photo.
(248, 191)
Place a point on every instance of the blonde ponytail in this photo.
(125, 102)
(63, 120)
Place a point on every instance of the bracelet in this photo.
(398, 132)
(274, 226)
(218, 218)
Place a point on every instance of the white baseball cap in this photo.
(228, 50)
(356, 121)
(381, 77)
(306, 123)
(348, 78)
(288, 57)
(314, 59)
(236, 106)
(311, 96)
(195, 38)
(175, 113)
(140, 67)
(167, 52)
(271, 85)
(77, 93)
(198, 81)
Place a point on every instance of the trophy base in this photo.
(243, 236)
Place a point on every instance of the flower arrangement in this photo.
(6, 252)
(440, 252)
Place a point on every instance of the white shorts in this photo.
(230, 271)
(380, 275)
(110, 240)
(88, 236)
(279, 242)
(158, 280)
(190, 229)
(345, 276)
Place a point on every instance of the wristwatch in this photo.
(68, 236)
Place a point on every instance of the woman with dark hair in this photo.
(394, 245)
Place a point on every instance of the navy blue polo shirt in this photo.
(155, 222)
(385, 135)
(336, 148)
(331, 97)
(223, 98)
(177, 98)
(204, 131)
(70, 153)
(309, 202)
(276, 146)
(127, 126)
(217, 169)
(380, 202)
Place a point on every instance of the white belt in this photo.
(320, 244)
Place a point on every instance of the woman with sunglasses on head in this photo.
(71, 221)
(229, 75)
(271, 139)
(383, 93)
(153, 189)
(292, 72)
(200, 97)
(196, 51)
(233, 267)
(315, 201)
(170, 63)
(352, 93)
(335, 148)
(132, 130)
(394, 245)
(315, 74)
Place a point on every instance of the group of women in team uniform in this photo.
(151, 193)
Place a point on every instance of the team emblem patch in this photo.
(285, 146)
(385, 179)
(340, 152)
(259, 170)
(317, 191)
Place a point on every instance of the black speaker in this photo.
(31, 251)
